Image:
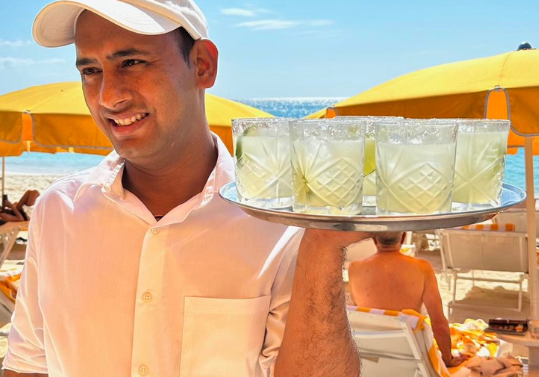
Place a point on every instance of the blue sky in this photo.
(303, 48)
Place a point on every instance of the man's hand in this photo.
(336, 239)
(10, 373)
(456, 360)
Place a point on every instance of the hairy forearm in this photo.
(317, 339)
(10, 373)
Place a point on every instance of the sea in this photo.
(31, 163)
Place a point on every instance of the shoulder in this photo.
(356, 266)
(425, 268)
(66, 186)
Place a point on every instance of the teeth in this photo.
(129, 121)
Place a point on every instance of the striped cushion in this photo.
(417, 322)
(508, 227)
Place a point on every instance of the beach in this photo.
(17, 184)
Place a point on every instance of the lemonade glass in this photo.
(480, 163)
(415, 164)
(262, 154)
(369, 180)
(327, 165)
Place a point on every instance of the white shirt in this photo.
(108, 291)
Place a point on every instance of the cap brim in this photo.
(55, 25)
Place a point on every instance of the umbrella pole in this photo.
(3, 175)
(530, 211)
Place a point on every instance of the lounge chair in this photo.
(486, 250)
(518, 217)
(8, 236)
(391, 341)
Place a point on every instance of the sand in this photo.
(17, 184)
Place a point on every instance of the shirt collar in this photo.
(108, 174)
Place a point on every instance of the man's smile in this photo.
(127, 121)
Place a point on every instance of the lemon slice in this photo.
(370, 156)
(249, 131)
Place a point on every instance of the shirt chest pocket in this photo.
(223, 337)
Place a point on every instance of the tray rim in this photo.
(376, 223)
(352, 218)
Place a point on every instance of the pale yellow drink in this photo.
(369, 181)
(263, 168)
(414, 178)
(327, 176)
(370, 154)
(479, 168)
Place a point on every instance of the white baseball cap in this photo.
(55, 25)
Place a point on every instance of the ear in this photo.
(206, 57)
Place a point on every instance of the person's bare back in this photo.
(389, 280)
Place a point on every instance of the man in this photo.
(138, 267)
(392, 281)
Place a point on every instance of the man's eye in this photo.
(89, 71)
(131, 62)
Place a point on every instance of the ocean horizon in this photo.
(60, 164)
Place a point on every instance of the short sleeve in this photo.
(26, 352)
(280, 301)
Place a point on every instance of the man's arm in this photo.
(10, 373)
(440, 326)
(317, 339)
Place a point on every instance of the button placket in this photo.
(149, 291)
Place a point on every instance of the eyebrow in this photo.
(118, 54)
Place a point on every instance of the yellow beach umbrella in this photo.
(221, 111)
(61, 119)
(504, 86)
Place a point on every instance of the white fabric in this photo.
(108, 291)
(55, 24)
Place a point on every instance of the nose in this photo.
(114, 92)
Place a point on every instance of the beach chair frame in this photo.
(388, 344)
(476, 250)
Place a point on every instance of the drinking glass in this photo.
(415, 165)
(533, 328)
(480, 163)
(369, 179)
(262, 154)
(327, 165)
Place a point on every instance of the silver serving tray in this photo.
(368, 221)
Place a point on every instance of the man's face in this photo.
(138, 88)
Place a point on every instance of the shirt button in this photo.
(147, 297)
(143, 370)
(155, 230)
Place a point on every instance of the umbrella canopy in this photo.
(504, 86)
(61, 119)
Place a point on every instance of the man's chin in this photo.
(129, 151)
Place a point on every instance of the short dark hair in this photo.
(185, 42)
(389, 238)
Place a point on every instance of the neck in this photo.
(174, 183)
(388, 249)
